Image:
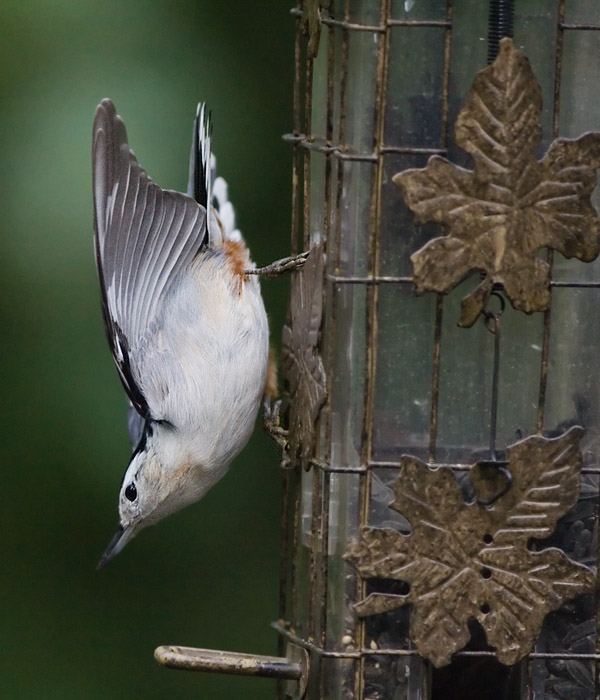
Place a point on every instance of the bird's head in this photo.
(160, 480)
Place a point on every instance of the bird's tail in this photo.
(205, 187)
(201, 168)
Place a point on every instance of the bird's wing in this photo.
(135, 425)
(144, 237)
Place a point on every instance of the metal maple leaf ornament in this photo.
(501, 213)
(472, 561)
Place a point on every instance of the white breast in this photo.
(204, 364)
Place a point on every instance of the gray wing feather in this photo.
(144, 237)
(135, 425)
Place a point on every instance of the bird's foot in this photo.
(280, 267)
(272, 424)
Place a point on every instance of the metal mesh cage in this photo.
(378, 89)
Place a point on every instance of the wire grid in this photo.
(322, 150)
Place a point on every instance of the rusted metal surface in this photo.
(499, 215)
(311, 25)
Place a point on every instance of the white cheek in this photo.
(129, 511)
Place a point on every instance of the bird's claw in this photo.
(272, 424)
(271, 410)
(280, 267)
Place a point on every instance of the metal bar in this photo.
(558, 68)
(439, 305)
(293, 479)
(575, 285)
(528, 689)
(340, 166)
(338, 151)
(308, 102)
(481, 653)
(307, 156)
(315, 528)
(368, 652)
(343, 152)
(334, 263)
(455, 466)
(295, 244)
(495, 380)
(233, 663)
(419, 23)
(375, 279)
(293, 138)
(372, 302)
(446, 78)
(435, 377)
(374, 252)
(322, 573)
(377, 28)
(550, 255)
(324, 557)
(414, 150)
(358, 157)
(342, 24)
(297, 492)
(579, 27)
(311, 145)
(596, 665)
(358, 667)
(596, 674)
(354, 26)
(334, 250)
(382, 28)
(314, 649)
(283, 569)
(334, 247)
(321, 582)
(387, 279)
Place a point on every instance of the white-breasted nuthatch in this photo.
(185, 322)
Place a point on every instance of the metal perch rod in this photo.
(215, 661)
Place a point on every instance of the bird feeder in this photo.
(441, 438)
(441, 502)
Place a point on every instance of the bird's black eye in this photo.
(131, 492)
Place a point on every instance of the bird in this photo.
(185, 322)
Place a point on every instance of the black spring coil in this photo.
(500, 24)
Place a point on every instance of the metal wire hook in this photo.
(508, 479)
(490, 316)
(492, 325)
(494, 315)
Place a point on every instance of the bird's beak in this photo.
(121, 538)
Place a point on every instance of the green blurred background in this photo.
(207, 576)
